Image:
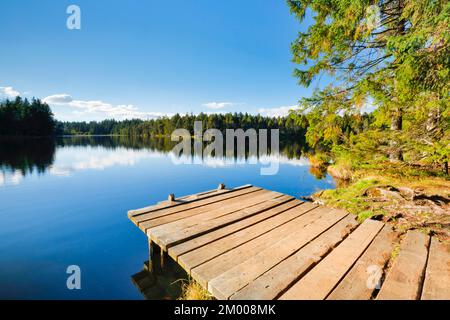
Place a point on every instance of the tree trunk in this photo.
(396, 126)
(432, 125)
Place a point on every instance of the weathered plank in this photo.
(276, 280)
(229, 282)
(365, 275)
(196, 196)
(213, 268)
(250, 243)
(166, 240)
(404, 279)
(437, 275)
(221, 208)
(201, 241)
(195, 258)
(216, 211)
(144, 214)
(321, 280)
(183, 200)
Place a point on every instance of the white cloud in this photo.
(219, 105)
(11, 178)
(300, 162)
(276, 112)
(216, 162)
(58, 99)
(101, 108)
(9, 91)
(216, 112)
(97, 159)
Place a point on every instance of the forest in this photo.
(394, 56)
(18, 114)
(21, 117)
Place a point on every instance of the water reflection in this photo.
(26, 155)
(161, 284)
(95, 159)
(318, 172)
(19, 157)
(77, 191)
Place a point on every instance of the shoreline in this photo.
(406, 202)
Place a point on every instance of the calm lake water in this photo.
(65, 201)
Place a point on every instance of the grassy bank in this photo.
(407, 197)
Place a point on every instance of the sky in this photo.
(149, 58)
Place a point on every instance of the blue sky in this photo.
(144, 58)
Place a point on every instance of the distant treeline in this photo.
(21, 117)
(164, 126)
(292, 126)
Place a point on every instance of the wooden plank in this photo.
(437, 276)
(181, 200)
(143, 214)
(202, 194)
(404, 280)
(213, 268)
(201, 241)
(275, 281)
(216, 212)
(365, 275)
(225, 206)
(167, 240)
(197, 257)
(229, 282)
(321, 280)
(187, 205)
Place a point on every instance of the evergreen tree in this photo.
(21, 117)
(394, 54)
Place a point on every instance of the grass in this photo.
(192, 290)
(395, 251)
(341, 170)
(353, 198)
(350, 198)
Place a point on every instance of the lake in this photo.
(64, 202)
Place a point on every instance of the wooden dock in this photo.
(251, 243)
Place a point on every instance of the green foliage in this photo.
(392, 54)
(319, 159)
(290, 126)
(350, 198)
(21, 117)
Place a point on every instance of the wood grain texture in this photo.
(404, 279)
(208, 211)
(246, 224)
(321, 280)
(223, 286)
(252, 243)
(167, 239)
(365, 276)
(437, 275)
(213, 268)
(196, 257)
(181, 206)
(277, 279)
